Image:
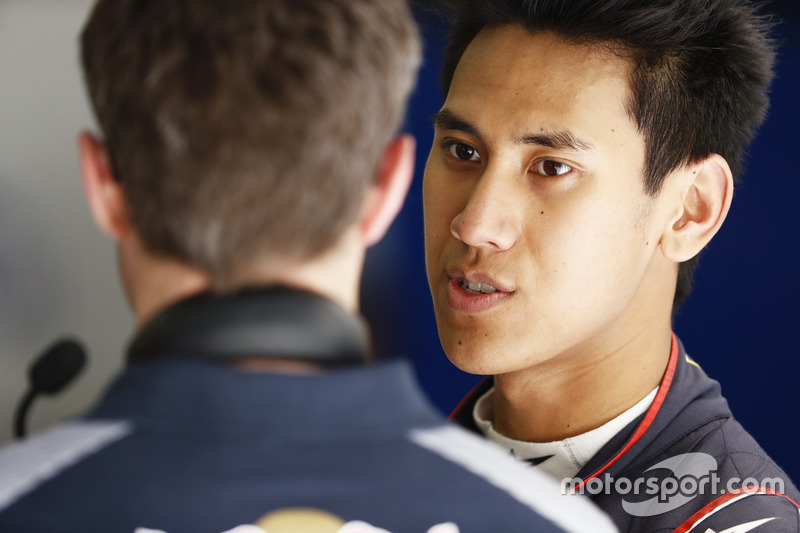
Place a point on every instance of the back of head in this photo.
(246, 130)
(700, 77)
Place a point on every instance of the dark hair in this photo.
(699, 86)
(247, 130)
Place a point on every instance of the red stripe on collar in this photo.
(647, 421)
(465, 399)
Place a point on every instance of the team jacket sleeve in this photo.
(756, 509)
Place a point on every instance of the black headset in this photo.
(275, 322)
(272, 322)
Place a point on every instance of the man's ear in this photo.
(105, 195)
(706, 191)
(385, 198)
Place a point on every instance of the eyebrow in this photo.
(448, 120)
(558, 140)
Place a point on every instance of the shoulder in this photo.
(715, 478)
(747, 489)
(540, 493)
(746, 509)
(697, 469)
(26, 465)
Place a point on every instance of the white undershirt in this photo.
(568, 456)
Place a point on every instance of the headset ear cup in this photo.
(269, 322)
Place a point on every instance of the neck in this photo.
(153, 283)
(334, 274)
(561, 399)
(572, 393)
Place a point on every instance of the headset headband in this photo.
(276, 322)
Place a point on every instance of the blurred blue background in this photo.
(740, 321)
(58, 274)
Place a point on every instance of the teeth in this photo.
(477, 288)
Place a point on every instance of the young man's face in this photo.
(540, 240)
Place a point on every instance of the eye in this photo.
(463, 152)
(549, 167)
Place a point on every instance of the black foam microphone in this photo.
(53, 370)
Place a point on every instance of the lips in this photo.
(472, 287)
(475, 292)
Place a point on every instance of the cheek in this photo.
(437, 212)
(583, 248)
(430, 199)
(435, 231)
(432, 223)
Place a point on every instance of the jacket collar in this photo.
(264, 322)
(684, 389)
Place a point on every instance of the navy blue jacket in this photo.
(696, 468)
(182, 444)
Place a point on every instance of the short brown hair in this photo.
(245, 129)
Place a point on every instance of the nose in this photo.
(491, 219)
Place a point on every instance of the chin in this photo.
(491, 358)
(470, 366)
(480, 360)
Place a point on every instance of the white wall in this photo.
(57, 271)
